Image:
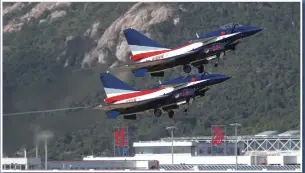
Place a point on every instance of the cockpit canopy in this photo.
(230, 25)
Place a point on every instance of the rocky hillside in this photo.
(46, 44)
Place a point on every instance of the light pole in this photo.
(235, 125)
(172, 128)
(45, 136)
(46, 153)
(36, 150)
(36, 139)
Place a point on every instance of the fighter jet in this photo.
(149, 56)
(122, 99)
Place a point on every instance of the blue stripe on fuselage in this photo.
(244, 31)
(209, 79)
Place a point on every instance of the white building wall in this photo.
(275, 160)
(18, 161)
(299, 159)
(188, 159)
(162, 143)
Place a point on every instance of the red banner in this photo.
(217, 136)
(119, 137)
(116, 138)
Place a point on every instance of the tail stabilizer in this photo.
(114, 86)
(140, 72)
(139, 43)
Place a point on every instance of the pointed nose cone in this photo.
(222, 78)
(216, 78)
(257, 30)
(253, 30)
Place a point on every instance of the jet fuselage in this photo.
(180, 90)
(151, 57)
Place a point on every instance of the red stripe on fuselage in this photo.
(146, 55)
(149, 54)
(130, 95)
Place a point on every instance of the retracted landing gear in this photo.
(217, 62)
(189, 101)
(158, 112)
(220, 56)
(171, 114)
(187, 68)
(200, 68)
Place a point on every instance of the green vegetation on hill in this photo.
(263, 93)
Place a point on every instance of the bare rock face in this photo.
(74, 45)
(176, 20)
(38, 10)
(57, 14)
(94, 32)
(13, 8)
(12, 26)
(141, 17)
(34, 13)
(110, 47)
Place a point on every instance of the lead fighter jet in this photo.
(149, 56)
(122, 99)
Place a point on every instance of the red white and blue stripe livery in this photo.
(122, 99)
(149, 56)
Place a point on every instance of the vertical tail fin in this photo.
(114, 86)
(139, 43)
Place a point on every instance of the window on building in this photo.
(18, 166)
(22, 167)
(182, 149)
(156, 150)
(7, 166)
(162, 150)
(31, 167)
(165, 150)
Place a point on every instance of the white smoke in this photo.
(44, 135)
(122, 73)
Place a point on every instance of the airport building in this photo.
(266, 148)
(265, 151)
(21, 163)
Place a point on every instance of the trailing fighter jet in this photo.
(122, 99)
(149, 56)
